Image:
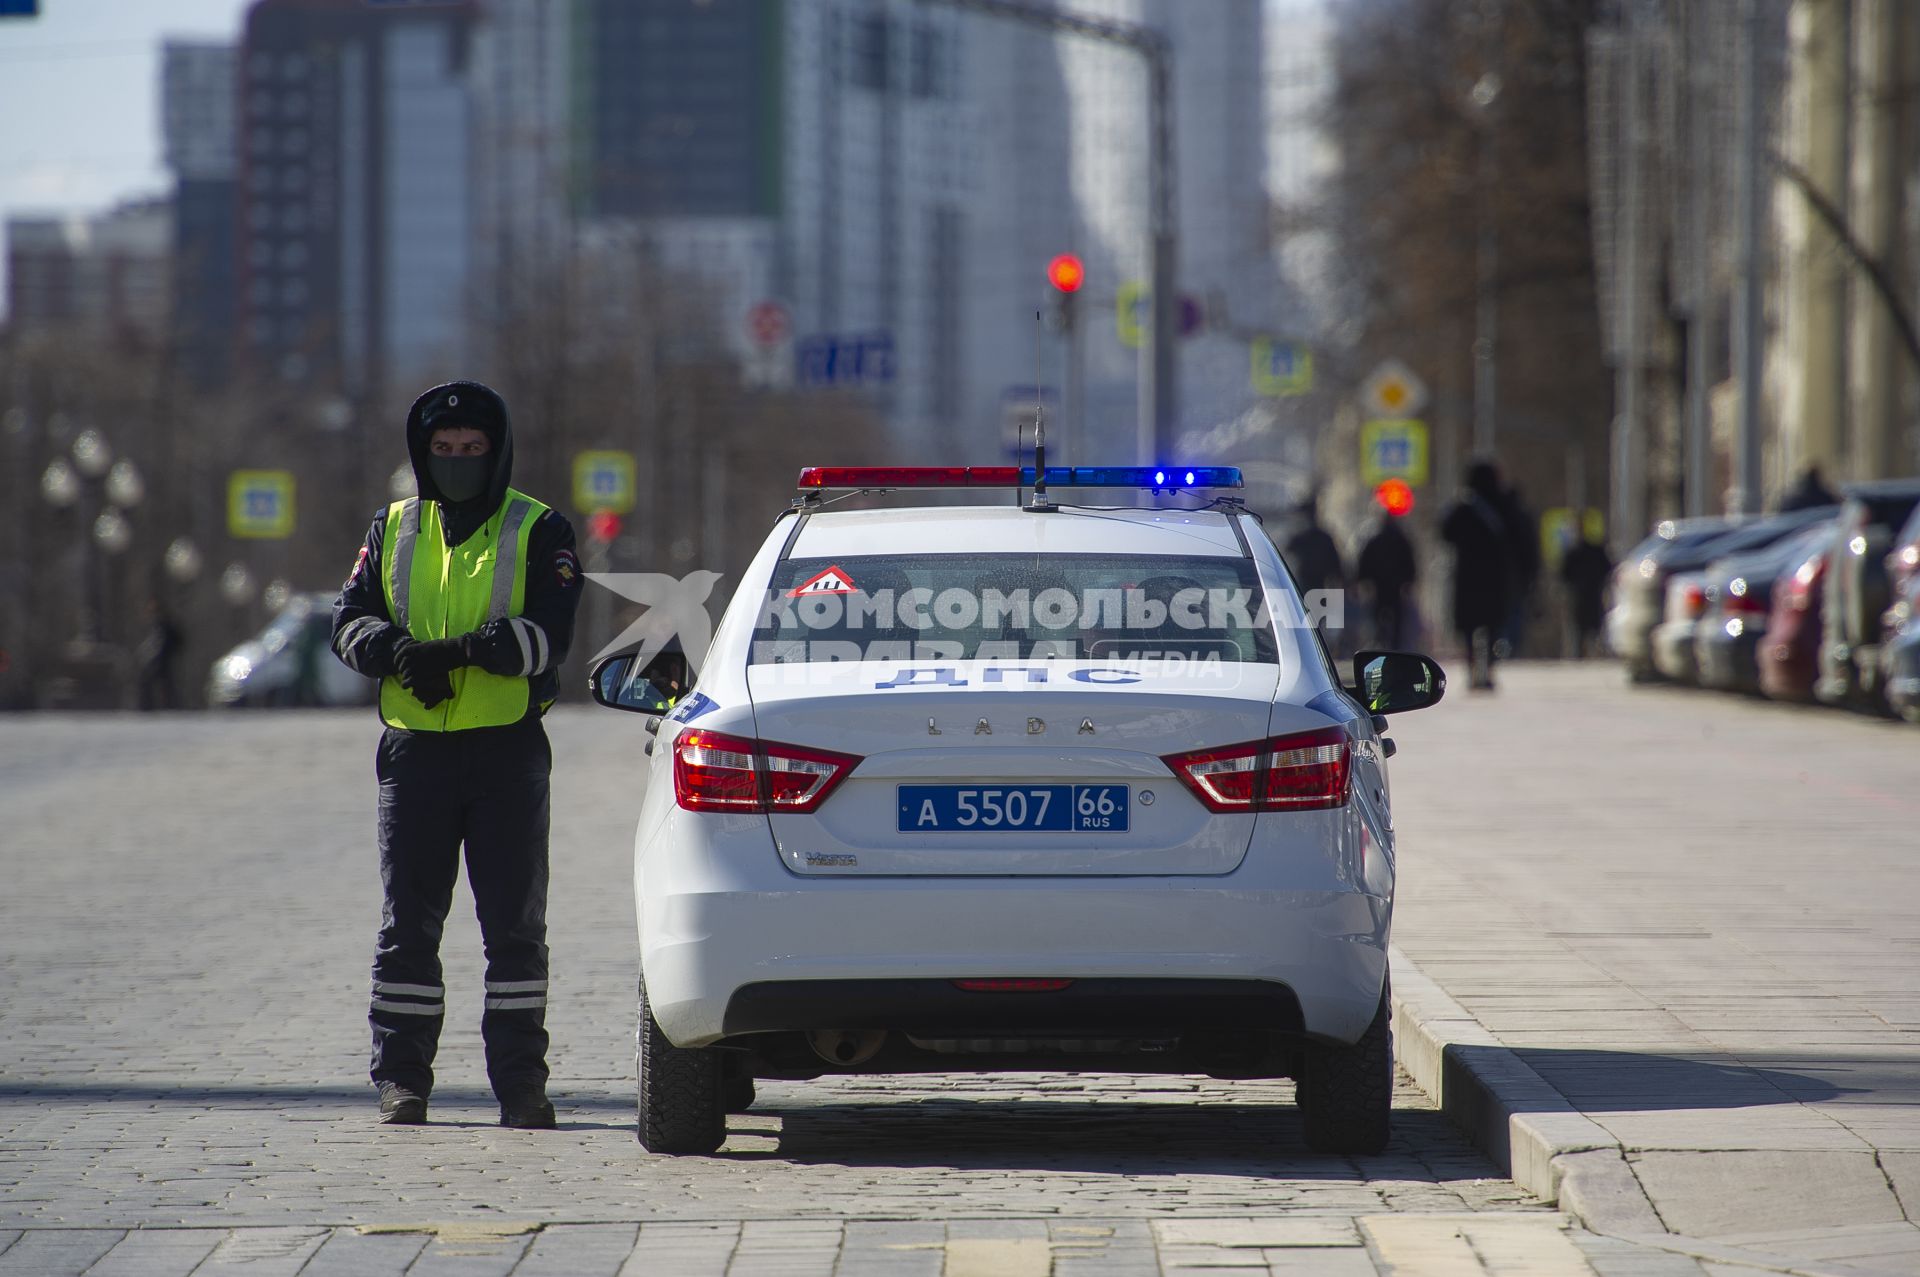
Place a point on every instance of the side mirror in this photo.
(1395, 682)
(617, 684)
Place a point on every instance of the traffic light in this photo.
(1066, 273)
(603, 527)
(1394, 496)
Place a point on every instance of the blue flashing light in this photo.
(1137, 477)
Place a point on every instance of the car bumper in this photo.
(1673, 650)
(717, 919)
(1729, 662)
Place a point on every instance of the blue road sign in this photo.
(19, 8)
(844, 359)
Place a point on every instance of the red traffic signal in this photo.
(1394, 496)
(604, 526)
(1066, 273)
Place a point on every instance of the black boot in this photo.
(401, 1107)
(527, 1111)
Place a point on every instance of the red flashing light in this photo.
(910, 477)
(1012, 986)
(604, 526)
(1395, 496)
(1066, 273)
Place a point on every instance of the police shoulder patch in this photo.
(566, 566)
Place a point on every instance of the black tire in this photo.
(737, 1094)
(679, 1092)
(1345, 1093)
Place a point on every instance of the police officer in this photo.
(462, 605)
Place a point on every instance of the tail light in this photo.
(1741, 597)
(1800, 588)
(713, 771)
(1305, 771)
(1693, 598)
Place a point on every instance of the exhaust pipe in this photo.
(846, 1047)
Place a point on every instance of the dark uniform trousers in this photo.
(487, 788)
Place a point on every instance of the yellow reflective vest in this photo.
(437, 591)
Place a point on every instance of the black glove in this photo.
(431, 689)
(425, 667)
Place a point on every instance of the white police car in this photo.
(1016, 787)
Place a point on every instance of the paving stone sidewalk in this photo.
(1697, 918)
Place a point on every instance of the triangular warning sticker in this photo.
(830, 581)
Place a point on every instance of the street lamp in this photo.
(112, 532)
(92, 454)
(59, 484)
(183, 560)
(125, 487)
(1486, 311)
(236, 584)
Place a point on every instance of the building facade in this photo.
(105, 275)
(355, 141)
(197, 124)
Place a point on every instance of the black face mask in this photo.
(460, 479)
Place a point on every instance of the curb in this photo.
(1546, 1146)
(1542, 1142)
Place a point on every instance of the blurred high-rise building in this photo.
(197, 125)
(102, 276)
(356, 189)
(895, 174)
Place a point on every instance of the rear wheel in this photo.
(1345, 1093)
(681, 1108)
(737, 1094)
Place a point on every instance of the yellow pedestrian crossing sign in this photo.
(260, 504)
(603, 482)
(1281, 368)
(1393, 448)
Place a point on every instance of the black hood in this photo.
(461, 403)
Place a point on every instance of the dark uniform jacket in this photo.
(364, 635)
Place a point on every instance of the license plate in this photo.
(959, 809)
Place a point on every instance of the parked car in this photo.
(1858, 590)
(1740, 591)
(288, 663)
(1789, 655)
(1641, 584)
(1900, 653)
(1899, 632)
(1903, 560)
(1672, 639)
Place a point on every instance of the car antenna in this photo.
(1039, 504)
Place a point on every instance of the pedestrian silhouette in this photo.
(158, 651)
(1387, 571)
(1809, 491)
(1482, 568)
(1584, 570)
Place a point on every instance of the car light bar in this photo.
(1154, 478)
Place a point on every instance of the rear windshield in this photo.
(1889, 510)
(1015, 607)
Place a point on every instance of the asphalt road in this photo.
(185, 931)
